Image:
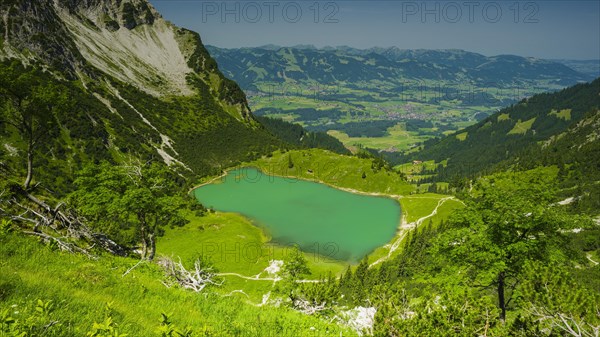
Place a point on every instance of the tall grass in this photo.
(74, 292)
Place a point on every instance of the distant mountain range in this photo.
(588, 67)
(328, 65)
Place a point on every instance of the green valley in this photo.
(420, 93)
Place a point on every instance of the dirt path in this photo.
(406, 227)
(589, 257)
(271, 279)
(207, 182)
(252, 278)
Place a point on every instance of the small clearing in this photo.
(462, 136)
(562, 114)
(522, 127)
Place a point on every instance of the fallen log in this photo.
(63, 245)
(42, 215)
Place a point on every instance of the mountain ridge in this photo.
(145, 49)
(324, 65)
(152, 89)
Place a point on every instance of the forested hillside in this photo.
(295, 134)
(576, 153)
(507, 132)
(546, 129)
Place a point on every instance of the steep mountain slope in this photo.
(149, 88)
(504, 134)
(548, 129)
(576, 152)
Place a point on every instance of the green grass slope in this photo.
(337, 170)
(239, 249)
(79, 290)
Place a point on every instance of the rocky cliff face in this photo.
(32, 31)
(158, 78)
(126, 39)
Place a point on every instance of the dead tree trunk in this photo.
(195, 279)
(62, 244)
(29, 165)
(152, 250)
(501, 301)
(42, 215)
(143, 235)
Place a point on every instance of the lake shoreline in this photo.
(264, 174)
(212, 180)
(395, 197)
(314, 180)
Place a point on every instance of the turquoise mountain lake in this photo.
(316, 217)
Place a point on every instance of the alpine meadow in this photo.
(290, 169)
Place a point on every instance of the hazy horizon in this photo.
(389, 47)
(540, 29)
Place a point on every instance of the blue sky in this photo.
(544, 29)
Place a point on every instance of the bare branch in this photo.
(309, 308)
(53, 217)
(566, 322)
(195, 280)
(132, 268)
(63, 245)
